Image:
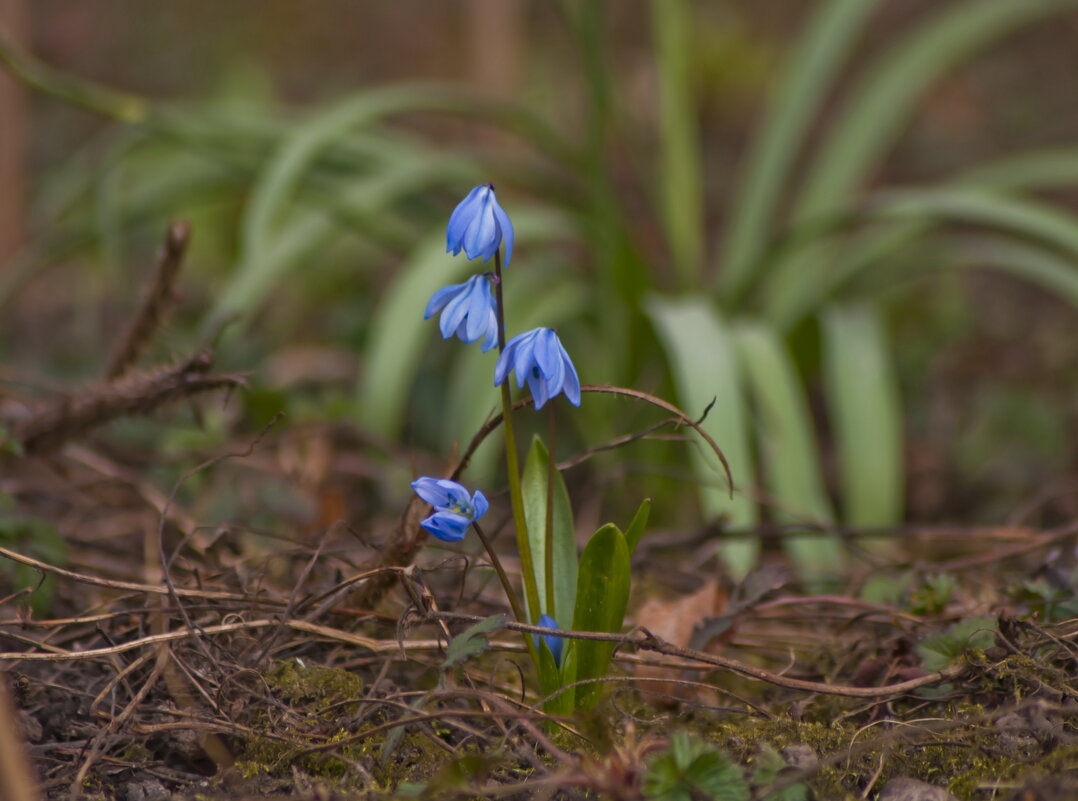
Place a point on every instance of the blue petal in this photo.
(440, 298)
(460, 219)
(481, 238)
(479, 308)
(453, 315)
(555, 644)
(447, 526)
(431, 490)
(492, 333)
(506, 228)
(479, 505)
(525, 357)
(441, 493)
(505, 360)
(571, 384)
(540, 389)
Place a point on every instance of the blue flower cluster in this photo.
(454, 509)
(469, 311)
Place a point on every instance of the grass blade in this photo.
(788, 450)
(679, 165)
(704, 365)
(1038, 266)
(810, 72)
(885, 99)
(866, 414)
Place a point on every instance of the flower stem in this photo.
(516, 496)
(518, 613)
(548, 538)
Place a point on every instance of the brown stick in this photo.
(17, 781)
(156, 304)
(141, 393)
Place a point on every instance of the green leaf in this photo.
(473, 640)
(769, 764)
(680, 171)
(874, 117)
(397, 335)
(534, 483)
(1028, 219)
(791, 458)
(938, 651)
(820, 53)
(602, 597)
(866, 414)
(704, 364)
(38, 538)
(1037, 265)
(890, 89)
(637, 525)
(691, 770)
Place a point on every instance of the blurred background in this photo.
(851, 223)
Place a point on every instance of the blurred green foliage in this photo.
(325, 222)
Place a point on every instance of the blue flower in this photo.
(469, 311)
(555, 644)
(478, 224)
(539, 358)
(454, 509)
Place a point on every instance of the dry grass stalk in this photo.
(136, 394)
(17, 782)
(156, 304)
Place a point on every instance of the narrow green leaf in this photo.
(984, 207)
(887, 95)
(398, 334)
(1034, 264)
(1036, 169)
(876, 113)
(534, 483)
(866, 414)
(602, 599)
(637, 525)
(791, 458)
(473, 640)
(704, 364)
(820, 53)
(679, 164)
(805, 280)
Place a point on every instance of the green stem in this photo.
(518, 613)
(516, 496)
(549, 533)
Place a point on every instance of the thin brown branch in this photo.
(136, 394)
(156, 304)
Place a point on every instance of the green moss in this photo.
(319, 687)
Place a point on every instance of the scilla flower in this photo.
(555, 644)
(538, 358)
(469, 311)
(454, 509)
(478, 224)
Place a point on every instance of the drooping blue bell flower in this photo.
(555, 644)
(478, 225)
(454, 509)
(539, 358)
(469, 311)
